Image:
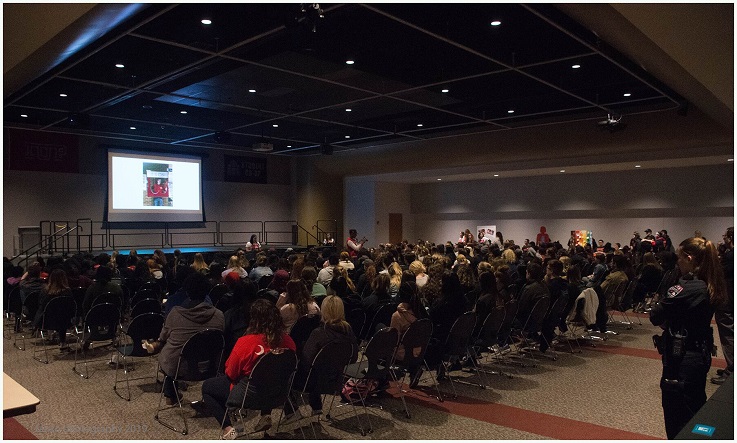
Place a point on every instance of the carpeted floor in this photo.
(605, 392)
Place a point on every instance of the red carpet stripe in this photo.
(12, 430)
(644, 353)
(525, 420)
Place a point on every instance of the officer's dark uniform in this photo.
(685, 315)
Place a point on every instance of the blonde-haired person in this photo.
(234, 266)
(417, 268)
(460, 260)
(395, 278)
(333, 329)
(509, 256)
(343, 272)
(199, 265)
(685, 315)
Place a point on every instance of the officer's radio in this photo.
(678, 343)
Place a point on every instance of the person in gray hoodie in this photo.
(183, 322)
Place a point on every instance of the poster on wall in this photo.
(485, 233)
(581, 237)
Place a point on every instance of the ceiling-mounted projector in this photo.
(262, 147)
(612, 123)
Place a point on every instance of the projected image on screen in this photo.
(157, 189)
(153, 187)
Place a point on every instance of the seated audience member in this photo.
(326, 273)
(333, 329)
(650, 275)
(339, 286)
(345, 261)
(199, 264)
(261, 268)
(234, 266)
(309, 275)
(599, 273)
(179, 297)
(363, 286)
(298, 302)
(75, 278)
(430, 293)
(534, 290)
(450, 306)
(395, 278)
(238, 316)
(31, 282)
(418, 269)
(558, 289)
(181, 324)
(613, 280)
(379, 295)
(488, 300)
(57, 286)
(101, 285)
(265, 332)
(409, 310)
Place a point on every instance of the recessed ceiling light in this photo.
(275, 125)
(730, 159)
(627, 94)
(120, 65)
(147, 107)
(496, 175)
(444, 90)
(62, 95)
(182, 112)
(638, 166)
(289, 146)
(24, 115)
(419, 125)
(348, 109)
(349, 62)
(133, 127)
(496, 23)
(206, 21)
(576, 66)
(251, 91)
(562, 170)
(347, 136)
(511, 111)
(440, 179)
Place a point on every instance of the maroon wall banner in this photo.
(42, 151)
(245, 169)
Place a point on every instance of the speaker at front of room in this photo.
(326, 149)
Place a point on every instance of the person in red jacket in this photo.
(265, 332)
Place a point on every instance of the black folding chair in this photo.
(146, 326)
(302, 329)
(57, 317)
(78, 293)
(101, 323)
(265, 281)
(267, 387)
(417, 336)
(218, 291)
(28, 312)
(375, 362)
(325, 377)
(146, 305)
(487, 340)
(199, 360)
(457, 345)
(356, 317)
(225, 302)
(532, 326)
(143, 294)
(383, 315)
(13, 312)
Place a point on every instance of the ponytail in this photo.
(707, 268)
(712, 273)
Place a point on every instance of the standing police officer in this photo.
(685, 315)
